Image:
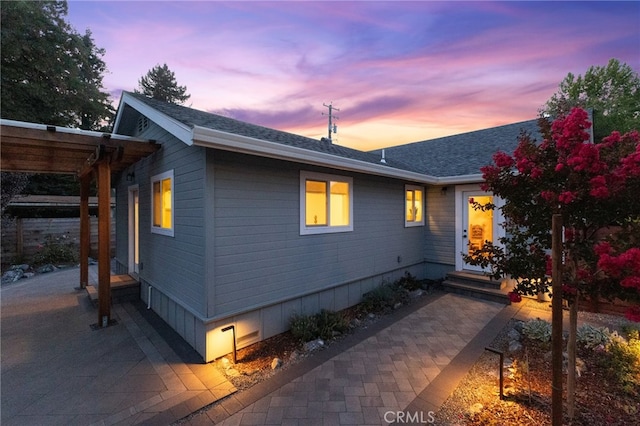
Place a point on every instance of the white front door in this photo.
(474, 227)
(478, 225)
(134, 230)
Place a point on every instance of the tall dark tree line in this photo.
(50, 74)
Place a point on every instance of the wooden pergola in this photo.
(37, 148)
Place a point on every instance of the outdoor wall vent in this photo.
(143, 124)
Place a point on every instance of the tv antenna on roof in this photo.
(332, 127)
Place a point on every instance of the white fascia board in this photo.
(203, 136)
(176, 128)
(67, 130)
(456, 180)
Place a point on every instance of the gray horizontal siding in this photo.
(260, 256)
(175, 265)
(439, 244)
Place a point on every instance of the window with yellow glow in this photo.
(414, 206)
(325, 203)
(162, 202)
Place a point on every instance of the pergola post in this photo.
(85, 234)
(104, 243)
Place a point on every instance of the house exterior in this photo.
(235, 224)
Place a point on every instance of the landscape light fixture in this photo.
(233, 329)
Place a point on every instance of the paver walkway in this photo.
(56, 370)
(405, 370)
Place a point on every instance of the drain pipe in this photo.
(149, 298)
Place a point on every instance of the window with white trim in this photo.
(162, 203)
(326, 203)
(414, 206)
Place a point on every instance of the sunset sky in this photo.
(398, 71)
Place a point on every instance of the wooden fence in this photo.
(22, 238)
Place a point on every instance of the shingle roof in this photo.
(462, 154)
(457, 155)
(192, 117)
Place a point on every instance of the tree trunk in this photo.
(571, 355)
(556, 321)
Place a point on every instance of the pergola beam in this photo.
(36, 148)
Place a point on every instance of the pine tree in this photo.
(160, 83)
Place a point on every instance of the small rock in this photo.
(276, 363)
(225, 363)
(371, 315)
(416, 293)
(46, 268)
(355, 323)
(518, 326)
(397, 305)
(475, 409)
(24, 267)
(12, 275)
(232, 372)
(514, 346)
(313, 345)
(513, 334)
(28, 275)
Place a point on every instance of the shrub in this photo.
(631, 331)
(323, 325)
(56, 250)
(330, 322)
(622, 360)
(590, 337)
(383, 297)
(303, 327)
(537, 329)
(408, 282)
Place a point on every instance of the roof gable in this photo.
(181, 121)
(451, 159)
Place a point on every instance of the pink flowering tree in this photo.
(596, 189)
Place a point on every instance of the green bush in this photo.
(383, 297)
(631, 331)
(408, 282)
(622, 360)
(537, 329)
(56, 251)
(303, 327)
(591, 337)
(323, 325)
(330, 322)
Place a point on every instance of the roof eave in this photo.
(203, 136)
(171, 125)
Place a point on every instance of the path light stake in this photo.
(233, 330)
(495, 351)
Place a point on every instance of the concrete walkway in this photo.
(57, 370)
(401, 369)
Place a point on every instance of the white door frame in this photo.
(134, 229)
(460, 214)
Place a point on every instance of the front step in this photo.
(478, 286)
(124, 288)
